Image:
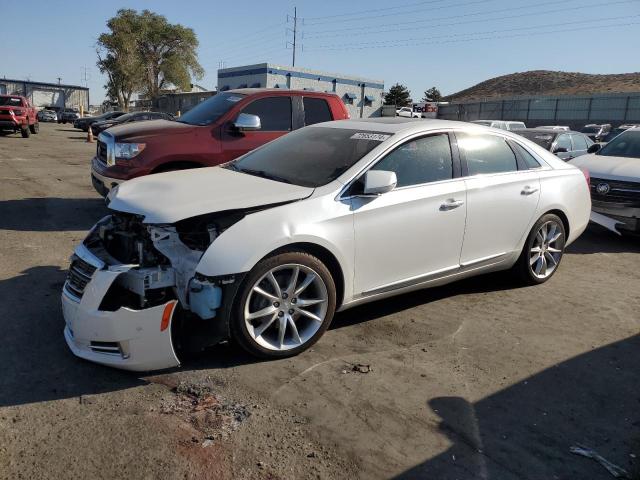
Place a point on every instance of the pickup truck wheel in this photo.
(35, 128)
(25, 131)
(284, 305)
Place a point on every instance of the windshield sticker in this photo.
(378, 137)
(234, 99)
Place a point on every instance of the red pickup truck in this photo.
(215, 131)
(17, 114)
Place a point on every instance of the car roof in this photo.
(282, 91)
(395, 124)
(548, 130)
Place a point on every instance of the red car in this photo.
(17, 114)
(215, 131)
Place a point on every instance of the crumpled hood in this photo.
(172, 196)
(610, 168)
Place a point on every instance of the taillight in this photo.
(587, 176)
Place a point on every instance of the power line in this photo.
(372, 31)
(489, 32)
(487, 37)
(359, 12)
(369, 17)
(450, 17)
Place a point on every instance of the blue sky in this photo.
(451, 44)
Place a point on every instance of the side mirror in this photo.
(247, 123)
(377, 182)
(594, 148)
(560, 150)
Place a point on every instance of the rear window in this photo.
(11, 101)
(541, 138)
(274, 113)
(486, 154)
(316, 110)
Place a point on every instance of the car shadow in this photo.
(77, 138)
(525, 431)
(597, 239)
(51, 214)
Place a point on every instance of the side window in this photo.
(528, 158)
(579, 143)
(487, 153)
(274, 113)
(316, 110)
(563, 141)
(426, 159)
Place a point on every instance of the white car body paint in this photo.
(406, 239)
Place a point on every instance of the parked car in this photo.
(554, 127)
(615, 181)
(501, 124)
(407, 112)
(47, 116)
(265, 249)
(565, 144)
(84, 123)
(127, 118)
(17, 114)
(596, 132)
(215, 131)
(617, 131)
(68, 115)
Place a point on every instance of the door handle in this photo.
(528, 190)
(451, 204)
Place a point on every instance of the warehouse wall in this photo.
(48, 95)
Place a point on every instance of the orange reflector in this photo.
(166, 315)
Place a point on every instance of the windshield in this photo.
(590, 130)
(309, 157)
(482, 122)
(211, 109)
(627, 144)
(541, 138)
(613, 134)
(11, 101)
(122, 118)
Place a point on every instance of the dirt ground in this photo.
(476, 380)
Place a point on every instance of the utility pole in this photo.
(295, 33)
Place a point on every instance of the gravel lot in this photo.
(479, 379)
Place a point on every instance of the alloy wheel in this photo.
(286, 307)
(546, 251)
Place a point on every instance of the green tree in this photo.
(168, 53)
(432, 95)
(144, 53)
(398, 95)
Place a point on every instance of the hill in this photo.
(546, 82)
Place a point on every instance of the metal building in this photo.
(574, 111)
(42, 94)
(362, 96)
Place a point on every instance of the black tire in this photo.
(35, 128)
(25, 132)
(238, 327)
(523, 267)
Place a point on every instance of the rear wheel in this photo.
(35, 128)
(285, 305)
(542, 251)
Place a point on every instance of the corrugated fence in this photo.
(574, 111)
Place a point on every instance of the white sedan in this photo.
(266, 249)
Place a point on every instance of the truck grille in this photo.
(614, 191)
(79, 275)
(102, 151)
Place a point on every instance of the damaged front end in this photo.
(133, 299)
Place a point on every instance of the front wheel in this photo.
(542, 251)
(25, 131)
(284, 306)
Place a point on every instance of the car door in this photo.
(414, 232)
(580, 145)
(563, 142)
(502, 196)
(275, 120)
